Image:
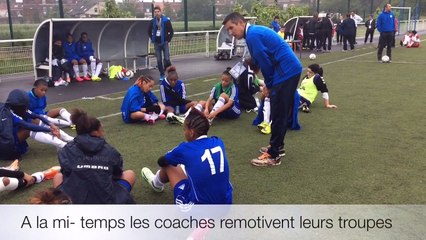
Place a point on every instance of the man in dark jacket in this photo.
(161, 32)
(348, 28)
(370, 26)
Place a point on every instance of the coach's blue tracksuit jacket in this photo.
(272, 54)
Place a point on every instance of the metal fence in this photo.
(18, 59)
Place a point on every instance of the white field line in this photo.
(119, 113)
(202, 93)
(118, 98)
(210, 79)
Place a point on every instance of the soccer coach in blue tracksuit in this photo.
(386, 26)
(281, 70)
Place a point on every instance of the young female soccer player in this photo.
(38, 103)
(72, 57)
(309, 87)
(84, 49)
(91, 169)
(27, 124)
(140, 103)
(223, 100)
(173, 96)
(206, 180)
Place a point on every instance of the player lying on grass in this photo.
(140, 104)
(206, 180)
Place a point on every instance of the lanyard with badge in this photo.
(239, 68)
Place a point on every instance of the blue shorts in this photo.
(232, 113)
(182, 193)
(124, 184)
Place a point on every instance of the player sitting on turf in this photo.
(38, 103)
(85, 51)
(91, 169)
(248, 85)
(140, 104)
(223, 100)
(414, 41)
(23, 124)
(206, 180)
(309, 87)
(173, 96)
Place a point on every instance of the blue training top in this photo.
(134, 101)
(70, 51)
(207, 169)
(37, 104)
(84, 49)
(272, 54)
(386, 22)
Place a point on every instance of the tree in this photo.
(112, 11)
(198, 10)
(265, 14)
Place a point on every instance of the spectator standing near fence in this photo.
(281, 69)
(370, 26)
(161, 32)
(275, 24)
(386, 27)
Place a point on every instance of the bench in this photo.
(134, 58)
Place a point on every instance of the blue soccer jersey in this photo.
(173, 97)
(37, 104)
(135, 100)
(207, 169)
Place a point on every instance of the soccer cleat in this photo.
(79, 79)
(87, 78)
(96, 79)
(14, 166)
(265, 149)
(266, 129)
(149, 178)
(68, 80)
(170, 118)
(51, 172)
(305, 109)
(60, 82)
(266, 160)
(262, 125)
(161, 116)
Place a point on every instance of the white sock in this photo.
(13, 184)
(98, 69)
(67, 75)
(65, 115)
(39, 177)
(93, 67)
(84, 67)
(267, 110)
(65, 137)
(58, 122)
(47, 138)
(157, 182)
(147, 117)
(220, 102)
(76, 70)
(199, 107)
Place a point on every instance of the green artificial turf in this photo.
(368, 151)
